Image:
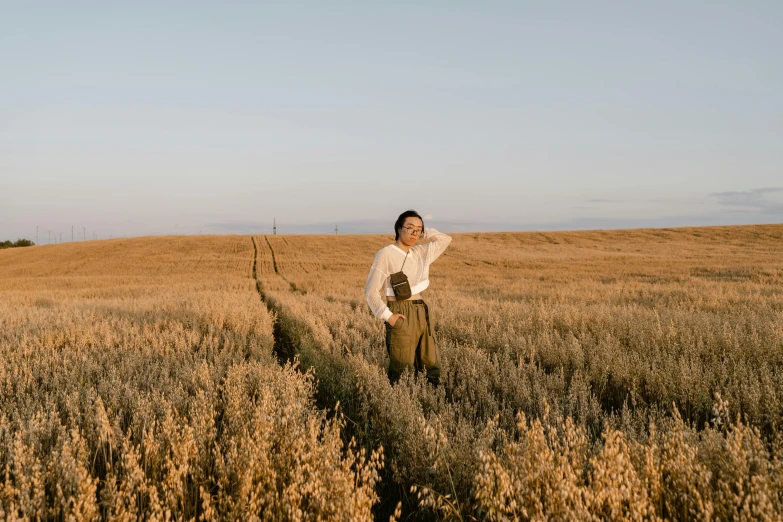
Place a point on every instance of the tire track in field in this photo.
(274, 259)
(291, 336)
(283, 343)
(291, 284)
(255, 265)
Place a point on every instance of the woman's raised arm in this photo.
(435, 242)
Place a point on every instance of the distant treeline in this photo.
(17, 243)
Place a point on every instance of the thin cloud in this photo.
(666, 199)
(755, 199)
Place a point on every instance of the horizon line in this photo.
(537, 231)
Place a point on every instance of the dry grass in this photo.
(627, 375)
(138, 381)
(596, 336)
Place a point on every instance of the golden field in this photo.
(603, 375)
(138, 381)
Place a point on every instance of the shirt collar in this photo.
(398, 249)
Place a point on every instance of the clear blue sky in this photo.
(141, 118)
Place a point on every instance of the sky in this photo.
(149, 118)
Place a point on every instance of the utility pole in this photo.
(274, 226)
(49, 238)
(61, 237)
(84, 233)
(36, 234)
(71, 233)
(336, 230)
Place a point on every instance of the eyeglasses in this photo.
(413, 231)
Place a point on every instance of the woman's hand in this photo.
(393, 319)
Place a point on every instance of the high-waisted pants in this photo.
(410, 342)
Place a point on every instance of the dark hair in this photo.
(401, 220)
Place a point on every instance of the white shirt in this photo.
(390, 259)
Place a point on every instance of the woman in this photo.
(409, 340)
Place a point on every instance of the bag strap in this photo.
(403, 261)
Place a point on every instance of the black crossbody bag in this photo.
(399, 283)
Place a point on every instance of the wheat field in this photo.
(602, 375)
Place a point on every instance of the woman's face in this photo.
(411, 231)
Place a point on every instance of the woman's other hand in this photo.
(393, 319)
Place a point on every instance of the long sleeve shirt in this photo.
(390, 259)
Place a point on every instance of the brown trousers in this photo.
(410, 343)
